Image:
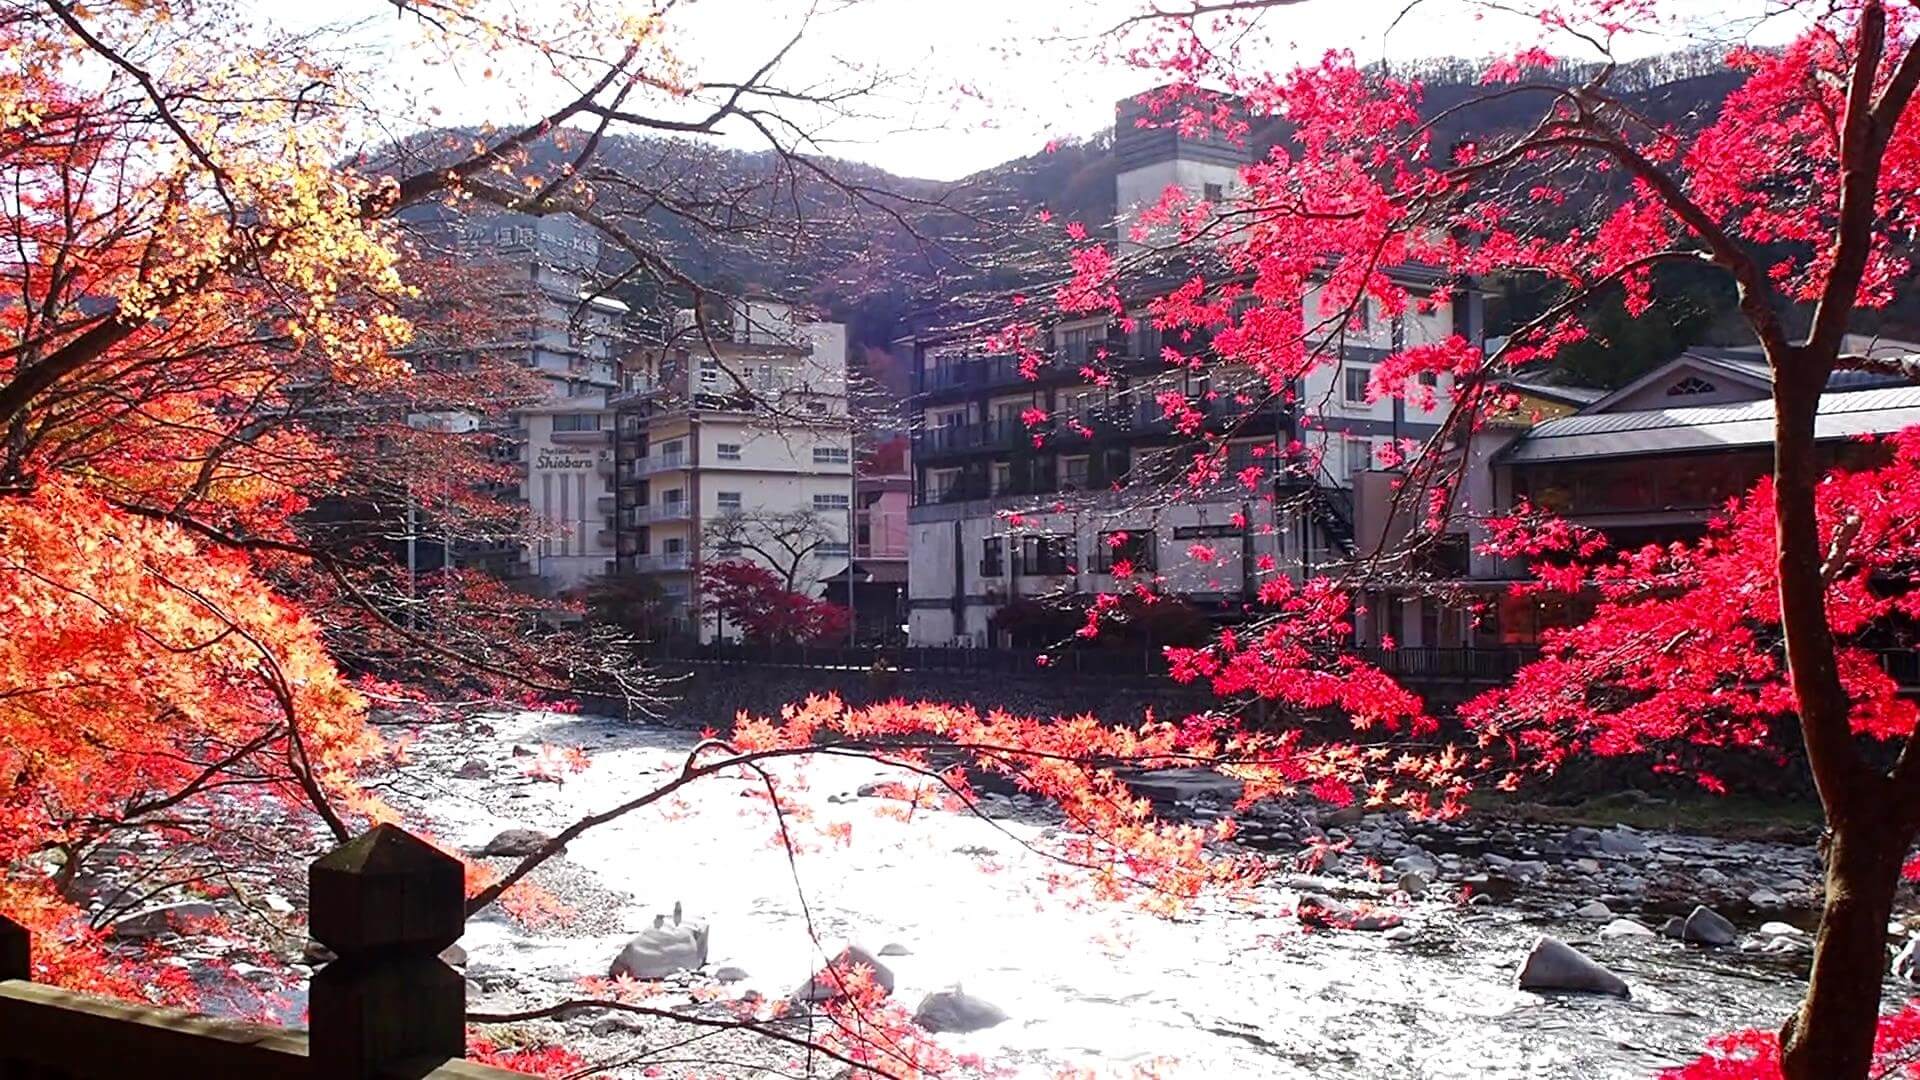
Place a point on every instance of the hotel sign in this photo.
(554, 459)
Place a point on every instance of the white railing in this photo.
(654, 463)
(666, 563)
(668, 511)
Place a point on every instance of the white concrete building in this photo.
(738, 448)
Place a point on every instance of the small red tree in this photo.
(755, 599)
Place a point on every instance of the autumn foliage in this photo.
(753, 600)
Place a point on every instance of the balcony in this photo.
(671, 562)
(662, 512)
(658, 463)
(968, 438)
(606, 503)
(969, 374)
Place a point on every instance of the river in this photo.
(1235, 988)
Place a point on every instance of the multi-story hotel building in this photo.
(1099, 480)
(734, 445)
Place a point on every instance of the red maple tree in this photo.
(758, 602)
(1801, 192)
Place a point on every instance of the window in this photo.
(831, 547)
(1081, 404)
(673, 449)
(709, 372)
(942, 484)
(1357, 377)
(673, 497)
(727, 500)
(1002, 477)
(1073, 474)
(673, 545)
(1077, 344)
(991, 557)
(727, 548)
(1049, 556)
(1429, 378)
(823, 502)
(831, 455)
(1213, 193)
(576, 421)
(727, 451)
(1132, 546)
(1689, 386)
(816, 408)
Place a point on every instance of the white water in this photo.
(1233, 990)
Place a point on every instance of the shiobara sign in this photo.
(555, 459)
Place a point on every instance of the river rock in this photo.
(663, 949)
(957, 1011)
(517, 843)
(1414, 883)
(1554, 965)
(1708, 927)
(730, 974)
(454, 955)
(825, 983)
(1766, 899)
(1623, 928)
(1675, 927)
(1417, 862)
(1593, 909)
(1621, 840)
(1328, 913)
(155, 921)
(1582, 838)
(894, 948)
(1906, 963)
(1400, 934)
(1779, 929)
(473, 769)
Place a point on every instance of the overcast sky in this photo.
(973, 82)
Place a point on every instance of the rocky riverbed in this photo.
(1277, 981)
(1238, 987)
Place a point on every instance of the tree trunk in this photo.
(1831, 1037)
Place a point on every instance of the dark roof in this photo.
(1710, 427)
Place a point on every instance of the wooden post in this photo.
(16, 950)
(386, 903)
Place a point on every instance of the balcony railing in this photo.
(665, 563)
(656, 463)
(667, 511)
(962, 374)
(988, 435)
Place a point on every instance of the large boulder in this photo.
(827, 985)
(1708, 927)
(1621, 840)
(517, 843)
(155, 921)
(663, 949)
(1556, 966)
(957, 1010)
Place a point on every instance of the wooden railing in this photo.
(385, 903)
